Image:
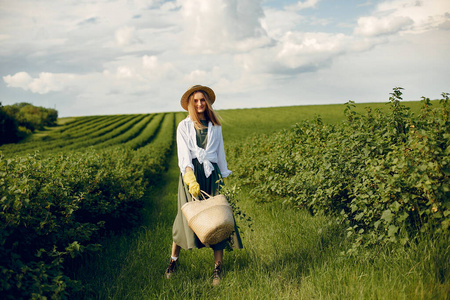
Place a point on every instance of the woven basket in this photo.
(211, 219)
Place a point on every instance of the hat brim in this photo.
(195, 88)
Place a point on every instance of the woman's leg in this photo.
(175, 250)
(218, 256)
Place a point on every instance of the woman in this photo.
(201, 158)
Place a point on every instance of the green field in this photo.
(78, 132)
(125, 168)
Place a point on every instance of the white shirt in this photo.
(187, 148)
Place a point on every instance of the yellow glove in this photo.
(191, 181)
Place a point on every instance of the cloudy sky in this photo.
(139, 56)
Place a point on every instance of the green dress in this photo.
(183, 236)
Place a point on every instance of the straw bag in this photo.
(211, 219)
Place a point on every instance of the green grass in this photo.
(240, 123)
(288, 255)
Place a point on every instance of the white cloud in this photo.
(18, 80)
(124, 72)
(129, 74)
(303, 49)
(219, 26)
(303, 5)
(48, 82)
(150, 62)
(297, 52)
(126, 35)
(198, 76)
(373, 26)
(408, 16)
(277, 22)
(45, 83)
(154, 69)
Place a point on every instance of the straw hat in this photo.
(195, 88)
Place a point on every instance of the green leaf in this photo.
(395, 206)
(387, 215)
(392, 230)
(376, 224)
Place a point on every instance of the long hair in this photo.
(210, 114)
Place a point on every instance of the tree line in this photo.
(20, 119)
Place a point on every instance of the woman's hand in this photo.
(191, 181)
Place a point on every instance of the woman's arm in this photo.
(183, 152)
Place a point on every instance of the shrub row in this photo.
(160, 144)
(87, 127)
(65, 140)
(147, 134)
(130, 134)
(56, 207)
(78, 121)
(116, 131)
(386, 175)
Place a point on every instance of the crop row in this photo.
(88, 128)
(128, 131)
(146, 135)
(62, 141)
(101, 129)
(56, 133)
(79, 124)
(128, 134)
(111, 132)
(56, 207)
(79, 121)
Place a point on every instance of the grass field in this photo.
(288, 254)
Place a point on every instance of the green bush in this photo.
(54, 208)
(9, 130)
(19, 120)
(386, 175)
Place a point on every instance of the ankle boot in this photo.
(171, 268)
(217, 273)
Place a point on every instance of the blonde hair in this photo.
(210, 114)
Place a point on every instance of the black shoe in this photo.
(171, 268)
(217, 273)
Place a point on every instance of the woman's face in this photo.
(199, 103)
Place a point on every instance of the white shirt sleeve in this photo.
(184, 154)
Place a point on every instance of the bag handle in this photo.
(202, 193)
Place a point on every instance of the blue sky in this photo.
(329, 16)
(139, 56)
